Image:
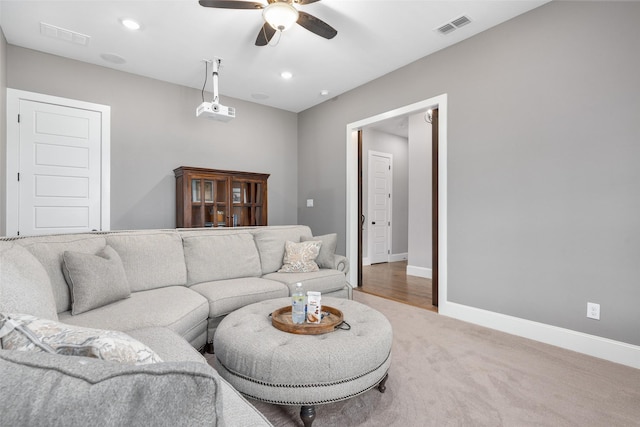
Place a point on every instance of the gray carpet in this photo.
(446, 372)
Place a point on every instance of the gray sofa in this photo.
(179, 286)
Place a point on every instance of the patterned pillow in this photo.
(300, 257)
(23, 332)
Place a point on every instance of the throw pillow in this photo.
(300, 257)
(23, 332)
(327, 250)
(94, 280)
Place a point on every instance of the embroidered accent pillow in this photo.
(300, 257)
(326, 257)
(23, 332)
(94, 280)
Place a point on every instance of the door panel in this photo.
(60, 169)
(379, 197)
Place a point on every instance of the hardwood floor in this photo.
(390, 280)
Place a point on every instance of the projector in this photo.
(212, 111)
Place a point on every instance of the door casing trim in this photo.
(352, 219)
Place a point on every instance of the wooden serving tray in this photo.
(281, 319)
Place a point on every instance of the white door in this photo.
(379, 206)
(60, 164)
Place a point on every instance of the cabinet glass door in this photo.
(197, 203)
(220, 202)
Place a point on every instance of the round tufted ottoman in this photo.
(267, 364)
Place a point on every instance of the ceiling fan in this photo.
(279, 15)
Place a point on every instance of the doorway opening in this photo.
(354, 220)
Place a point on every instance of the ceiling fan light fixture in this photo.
(281, 16)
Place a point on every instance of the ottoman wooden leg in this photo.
(381, 385)
(307, 415)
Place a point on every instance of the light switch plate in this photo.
(309, 203)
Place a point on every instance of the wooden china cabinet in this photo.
(220, 198)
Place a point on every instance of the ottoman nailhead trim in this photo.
(244, 377)
(315, 402)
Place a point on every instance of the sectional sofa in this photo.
(166, 291)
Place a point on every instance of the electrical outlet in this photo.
(593, 310)
(309, 203)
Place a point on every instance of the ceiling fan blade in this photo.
(230, 4)
(265, 35)
(316, 25)
(305, 1)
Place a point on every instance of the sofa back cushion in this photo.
(220, 256)
(24, 284)
(49, 250)
(271, 240)
(151, 259)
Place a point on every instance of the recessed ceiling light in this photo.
(286, 75)
(130, 24)
(324, 92)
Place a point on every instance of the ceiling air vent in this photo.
(453, 25)
(446, 29)
(49, 30)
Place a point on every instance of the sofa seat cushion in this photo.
(170, 346)
(323, 280)
(220, 257)
(226, 296)
(49, 389)
(175, 307)
(24, 284)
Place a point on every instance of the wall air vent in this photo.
(52, 31)
(453, 25)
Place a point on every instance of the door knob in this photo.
(373, 222)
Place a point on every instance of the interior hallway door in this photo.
(59, 168)
(379, 206)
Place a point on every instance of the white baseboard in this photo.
(398, 257)
(412, 270)
(366, 261)
(604, 348)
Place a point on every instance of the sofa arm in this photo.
(44, 388)
(341, 263)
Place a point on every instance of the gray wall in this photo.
(373, 140)
(3, 126)
(543, 145)
(420, 193)
(154, 130)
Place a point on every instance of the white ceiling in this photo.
(374, 38)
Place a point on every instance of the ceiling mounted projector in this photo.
(214, 110)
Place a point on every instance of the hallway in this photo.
(389, 280)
